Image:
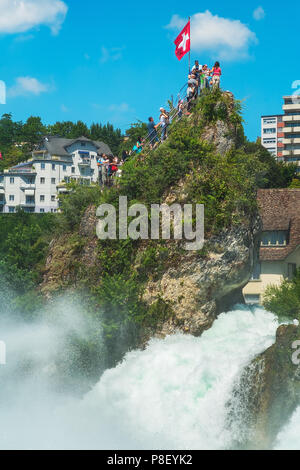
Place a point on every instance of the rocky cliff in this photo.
(192, 287)
(268, 392)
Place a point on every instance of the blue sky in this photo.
(114, 61)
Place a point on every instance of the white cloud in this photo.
(18, 16)
(112, 54)
(120, 108)
(259, 13)
(25, 86)
(223, 38)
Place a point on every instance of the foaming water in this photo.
(172, 395)
(289, 436)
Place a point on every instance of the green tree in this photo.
(295, 183)
(284, 300)
(33, 131)
(62, 129)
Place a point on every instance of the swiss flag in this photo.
(183, 41)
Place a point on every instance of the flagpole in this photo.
(190, 49)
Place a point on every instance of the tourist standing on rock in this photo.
(216, 75)
(206, 73)
(152, 133)
(197, 71)
(192, 81)
(191, 95)
(163, 123)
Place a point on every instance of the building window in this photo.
(42, 211)
(11, 197)
(269, 141)
(274, 238)
(271, 130)
(292, 270)
(269, 121)
(53, 180)
(42, 198)
(11, 180)
(73, 169)
(11, 210)
(82, 144)
(53, 166)
(30, 200)
(53, 198)
(64, 167)
(43, 166)
(42, 180)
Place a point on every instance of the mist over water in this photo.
(172, 395)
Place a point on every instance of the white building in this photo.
(34, 185)
(291, 130)
(271, 134)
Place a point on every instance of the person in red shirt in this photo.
(216, 75)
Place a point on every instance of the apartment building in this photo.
(279, 252)
(291, 130)
(35, 184)
(272, 134)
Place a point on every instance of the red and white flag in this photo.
(183, 41)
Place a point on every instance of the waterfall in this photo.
(172, 395)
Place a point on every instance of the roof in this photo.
(280, 210)
(272, 115)
(59, 145)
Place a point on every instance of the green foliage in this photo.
(136, 130)
(295, 184)
(226, 185)
(24, 240)
(284, 300)
(32, 131)
(108, 134)
(74, 203)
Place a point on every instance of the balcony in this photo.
(290, 130)
(291, 141)
(291, 107)
(291, 118)
(25, 186)
(85, 162)
(61, 188)
(288, 153)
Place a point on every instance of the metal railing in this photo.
(175, 114)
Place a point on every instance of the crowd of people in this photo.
(109, 166)
(200, 78)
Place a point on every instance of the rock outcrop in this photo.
(267, 393)
(196, 286)
(199, 287)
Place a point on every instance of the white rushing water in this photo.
(289, 437)
(172, 395)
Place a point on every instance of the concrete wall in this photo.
(272, 273)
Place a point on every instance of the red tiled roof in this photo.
(280, 210)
